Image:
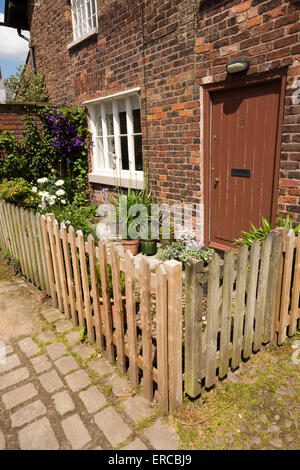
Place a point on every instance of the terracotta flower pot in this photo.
(131, 245)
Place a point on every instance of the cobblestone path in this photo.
(59, 393)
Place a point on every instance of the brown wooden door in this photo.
(244, 125)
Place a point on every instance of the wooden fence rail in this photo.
(252, 300)
(84, 282)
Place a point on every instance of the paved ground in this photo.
(59, 393)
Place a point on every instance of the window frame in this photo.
(105, 175)
(83, 28)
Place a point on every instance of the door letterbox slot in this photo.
(241, 172)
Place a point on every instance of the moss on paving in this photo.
(261, 411)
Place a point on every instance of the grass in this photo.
(251, 413)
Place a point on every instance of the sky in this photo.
(13, 49)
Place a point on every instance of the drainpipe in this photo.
(31, 48)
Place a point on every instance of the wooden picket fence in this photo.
(232, 307)
(21, 236)
(252, 299)
(74, 272)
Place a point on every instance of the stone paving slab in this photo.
(29, 347)
(137, 444)
(66, 364)
(18, 396)
(46, 336)
(73, 338)
(28, 413)
(76, 432)
(38, 436)
(63, 402)
(51, 381)
(137, 408)
(56, 350)
(10, 363)
(83, 350)
(13, 377)
(113, 426)
(93, 399)
(161, 436)
(41, 363)
(53, 315)
(78, 380)
(63, 326)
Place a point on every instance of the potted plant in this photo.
(166, 235)
(130, 226)
(149, 245)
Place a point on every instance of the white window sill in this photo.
(91, 33)
(124, 181)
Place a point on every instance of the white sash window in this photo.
(117, 139)
(84, 17)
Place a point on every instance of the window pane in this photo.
(137, 121)
(138, 153)
(111, 152)
(99, 153)
(93, 6)
(110, 124)
(123, 123)
(124, 149)
(99, 122)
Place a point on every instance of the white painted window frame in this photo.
(101, 173)
(84, 17)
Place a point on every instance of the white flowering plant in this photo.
(51, 193)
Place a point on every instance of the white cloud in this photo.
(11, 45)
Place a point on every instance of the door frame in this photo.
(277, 75)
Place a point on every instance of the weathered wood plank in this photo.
(85, 287)
(107, 315)
(61, 269)
(162, 337)
(48, 258)
(286, 286)
(193, 328)
(251, 299)
(77, 279)
(239, 306)
(45, 280)
(212, 321)
(295, 291)
(262, 292)
(174, 275)
(145, 285)
(269, 322)
(36, 249)
(131, 316)
(33, 260)
(69, 273)
(226, 311)
(274, 338)
(50, 228)
(118, 309)
(95, 292)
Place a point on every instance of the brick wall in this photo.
(170, 48)
(12, 118)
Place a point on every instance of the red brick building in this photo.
(152, 74)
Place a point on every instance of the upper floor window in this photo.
(117, 136)
(84, 17)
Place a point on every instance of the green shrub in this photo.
(260, 233)
(13, 262)
(19, 192)
(78, 217)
